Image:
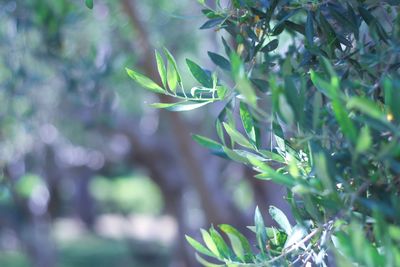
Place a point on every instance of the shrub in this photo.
(316, 87)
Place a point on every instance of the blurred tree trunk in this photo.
(33, 228)
(180, 132)
(84, 205)
(186, 168)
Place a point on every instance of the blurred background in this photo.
(90, 174)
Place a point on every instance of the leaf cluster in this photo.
(316, 91)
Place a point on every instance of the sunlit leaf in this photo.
(261, 234)
(281, 219)
(236, 136)
(206, 142)
(247, 121)
(364, 140)
(366, 106)
(239, 243)
(173, 75)
(180, 106)
(145, 81)
(199, 247)
(242, 82)
(161, 69)
(220, 243)
(210, 242)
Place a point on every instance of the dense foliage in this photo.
(315, 86)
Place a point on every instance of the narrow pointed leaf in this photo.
(199, 247)
(210, 242)
(310, 29)
(180, 106)
(162, 70)
(199, 74)
(239, 243)
(173, 75)
(220, 61)
(236, 136)
(247, 121)
(261, 234)
(206, 263)
(220, 243)
(144, 81)
(271, 46)
(281, 219)
(206, 142)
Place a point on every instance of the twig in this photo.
(296, 245)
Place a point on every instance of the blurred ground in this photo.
(135, 240)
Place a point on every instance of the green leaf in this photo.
(332, 91)
(236, 136)
(206, 142)
(144, 81)
(227, 49)
(293, 26)
(271, 46)
(322, 168)
(235, 156)
(298, 232)
(322, 85)
(276, 177)
(89, 3)
(294, 99)
(212, 23)
(344, 121)
(367, 107)
(221, 92)
(328, 68)
(220, 243)
(364, 141)
(272, 156)
(392, 97)
(310, 28)
(173, 75)
(285, 110)
(199, 247)
(330, 35)
(267, 173)
(162, 70)
(210, 243)
(239, 243)
(220, 61)
(317, 108)
(207, 263)
(366, 15)
(243, 84)
(261, 234)
(247, 121)
(344, 19)
(180, 106)
(281, 219)
(199, 74)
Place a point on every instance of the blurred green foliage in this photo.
(128, 194)
(66, 109)
(95, 251)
